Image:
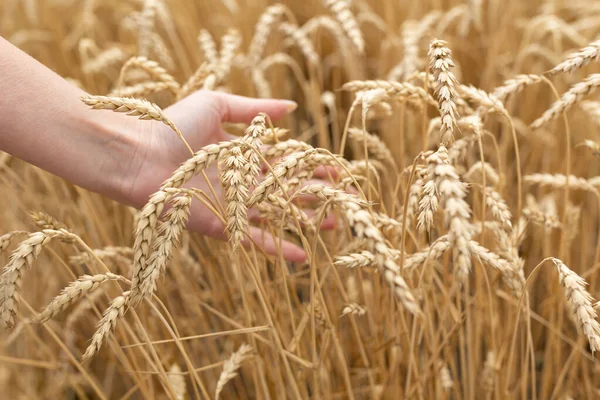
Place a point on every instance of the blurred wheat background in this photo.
(476, 157)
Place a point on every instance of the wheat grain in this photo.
(263, 29)
(579, 59)
(146, 27)
(341, 10)
(231, 366)
(484, 100)
(107, 324)
(234, 180)
(440, 66)
(8, 237)
(148, 216)
(138, 108)
(197, 81)
(515, 85)
(558, 181)
(397, 90)
(304, 44)
(153, 69)
(499, 208)
(356, 260)
(354, 309)
(230, 45)
(46, 221)
(209, 47)
(376, 147)
(83, 286)
(575, 94)
(444, 376)
(177, 382)
(490, 372)
(580, 304)
(168, 237)
(20, 260)
(512, 276)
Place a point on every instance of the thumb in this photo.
(235, 108)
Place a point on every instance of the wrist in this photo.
(114, 143)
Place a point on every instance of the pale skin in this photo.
(44, 122)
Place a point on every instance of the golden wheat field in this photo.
(461, 140)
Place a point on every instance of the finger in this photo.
(235, 108)
(326, 172)
(328, 222)
(272, 246)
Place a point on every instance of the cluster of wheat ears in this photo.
(467, 207)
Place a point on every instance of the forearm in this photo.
(43, 122)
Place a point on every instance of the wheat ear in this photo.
(134, 107)
(85, 285)
(168, 237)
(231, 367)
(575, 94)
(20, 260)
(107, 324)
(580, 303)
(341, 10)
(149, 215)
(579, 59)
(440, 66)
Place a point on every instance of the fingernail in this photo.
(291, 105)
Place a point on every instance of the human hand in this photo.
(159, 152)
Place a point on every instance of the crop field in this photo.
(453, 252)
